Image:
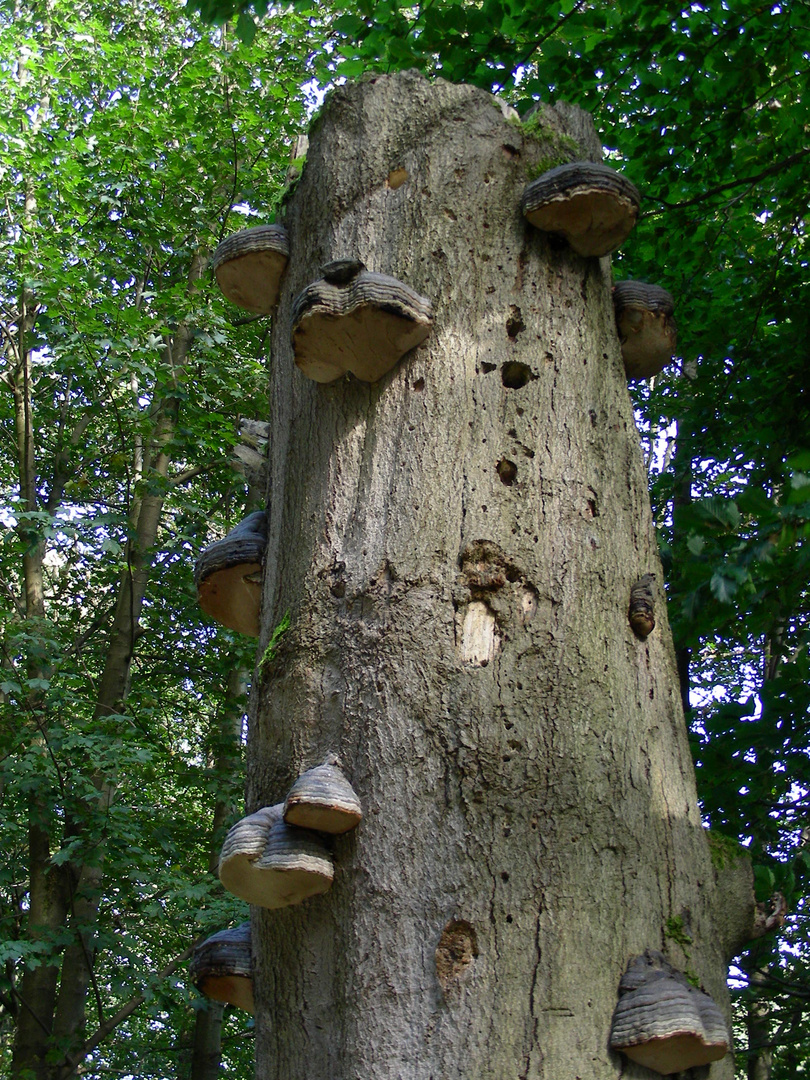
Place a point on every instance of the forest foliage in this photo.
(134, 137)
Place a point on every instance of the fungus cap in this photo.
(228, 576)
(664, 1023)
(271, 864)
(222, 967)
(249, 265)
(323, 799)
(647, 330)
(594, 207)
(352, 320)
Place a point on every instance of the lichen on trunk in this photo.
(456, 545)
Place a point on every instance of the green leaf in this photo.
(245, 28)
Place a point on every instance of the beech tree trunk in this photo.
(456, 546)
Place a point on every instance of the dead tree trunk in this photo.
(456, 545)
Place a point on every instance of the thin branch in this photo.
(189, 474)
(72, 1061)
(777, 166)
(561, 22)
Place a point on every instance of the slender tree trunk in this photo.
(456, 546)
(227, 735)
(207, 1051)
(758, 1029)
(36, 992)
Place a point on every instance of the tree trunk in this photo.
(36, 993)
(227, 747)
(456, 546)
(758, 1028)
(46, 1015)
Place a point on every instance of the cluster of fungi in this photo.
(353, 321)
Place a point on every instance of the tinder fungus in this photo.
(664, 1023)
(228, 576)
(323, 799)
(249, 265)
(222, 969)
(591, 205)
(351, 320)
(647, 330)
(271, 864)
(642, 607)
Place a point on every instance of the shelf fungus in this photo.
(594, 207)
(228, 576)
(663, 1022)
(249, 265)
(642, 606)
(323, 799)
(647, 330)
(271, 864)
(352, 320)
(222, 969)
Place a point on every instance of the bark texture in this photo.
(456, 545)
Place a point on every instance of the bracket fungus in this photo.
(271, 864)
(663, 1022)
(594, 207)
(222, 968)
(351, 320)
(642, 607)
(323, 799)
(647, 330)
(228, 576)
(249, 265)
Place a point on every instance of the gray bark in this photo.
(456, 546)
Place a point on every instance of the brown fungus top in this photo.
(647, 330)
(228, 573)
(594, 207)
(663, 1022)
(249, 265)
(352, 320)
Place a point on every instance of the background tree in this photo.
(127, 143)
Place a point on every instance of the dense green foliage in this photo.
(128, 138)
(130, 135)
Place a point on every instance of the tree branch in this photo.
(777, 166)
(72, 1061)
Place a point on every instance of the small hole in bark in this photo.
(419, 384)
(507, 470)
(397, 177)
(457, 948)
(486, 368)
(515, 323)
(515, 375)
(510, 151)
(508, 918)
(504, 876)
